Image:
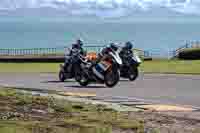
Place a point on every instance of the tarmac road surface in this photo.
(161, 88)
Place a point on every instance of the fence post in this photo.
(40, 51)
(8, 51)
(55, 51)
(16, 51)
(45, 51)
(174, 53)
(146, 53)
(30, 51)
(24, 51)
(187, 45)
(48, 51)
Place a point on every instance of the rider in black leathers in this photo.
(126, 50)
(76, 48)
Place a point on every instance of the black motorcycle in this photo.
(105, 72)
(68, 70)
(129, 68)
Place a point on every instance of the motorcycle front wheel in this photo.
(82, 79)
(112, 78)
(133, 73)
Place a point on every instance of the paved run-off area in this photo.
(156, 88)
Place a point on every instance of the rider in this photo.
(127, 49)
(77, 47)
(105, 51)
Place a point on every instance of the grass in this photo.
(155, 66)
(171, 66)
(65, 116)
(41, 127)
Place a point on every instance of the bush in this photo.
(190, 53)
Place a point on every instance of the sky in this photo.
(104, 7)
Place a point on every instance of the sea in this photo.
(152, 36)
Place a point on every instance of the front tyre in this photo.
(133, 73)
(62, 76)
(82, 79)
(83, 82)
(112, 78)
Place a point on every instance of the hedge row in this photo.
(190, 53)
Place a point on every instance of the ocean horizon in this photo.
(153, 36)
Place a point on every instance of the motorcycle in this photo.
(68, 70)
(129, 68)
(106, 71)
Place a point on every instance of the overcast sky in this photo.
(117, 7)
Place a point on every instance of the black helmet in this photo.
(79, 42)
(113, 46)
(128, 45)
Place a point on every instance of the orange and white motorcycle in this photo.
(106, 71)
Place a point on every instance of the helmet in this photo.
(128, 45)
(113, 46)
(79, 42)
(75, 45)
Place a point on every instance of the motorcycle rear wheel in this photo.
(62, 76)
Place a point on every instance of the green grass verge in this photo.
(171, 66)
(154, 66)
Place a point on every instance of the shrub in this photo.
(190, 53)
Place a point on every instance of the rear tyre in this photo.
(133, 73)
(62, 76)
(112, 78)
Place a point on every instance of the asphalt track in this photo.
(161, 88)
